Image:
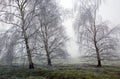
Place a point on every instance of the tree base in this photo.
(99, 65)
(31, 66)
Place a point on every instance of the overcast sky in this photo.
(109, 11)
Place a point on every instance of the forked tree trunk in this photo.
(96, 47)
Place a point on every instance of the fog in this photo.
(59, 39)
(109, 11)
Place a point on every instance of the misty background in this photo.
(108, 11)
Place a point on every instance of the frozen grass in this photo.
(86, 72)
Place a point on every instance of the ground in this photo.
(62, 72)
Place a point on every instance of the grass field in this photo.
(62, 72)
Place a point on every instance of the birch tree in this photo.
(94, 36)
(20, 14)
(51, 33)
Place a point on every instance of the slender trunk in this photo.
(48, 54)
(21, 7)
(49, 59)
(96, 47)
(46, 47)
(31, 65)
(98, 57)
